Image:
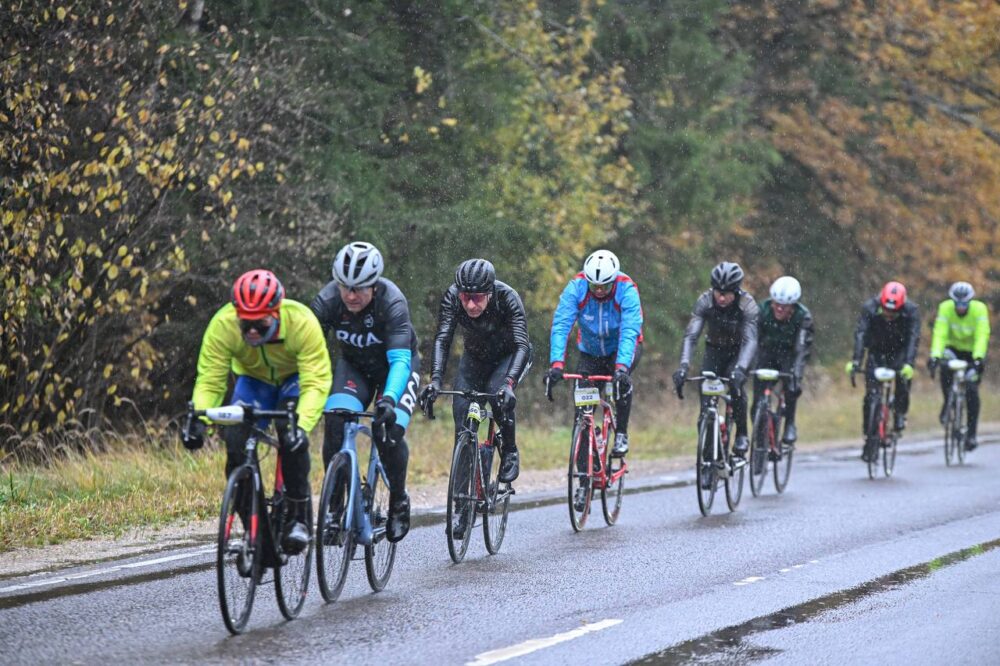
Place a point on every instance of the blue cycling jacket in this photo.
(612, 326)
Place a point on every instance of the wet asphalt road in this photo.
(839, 568)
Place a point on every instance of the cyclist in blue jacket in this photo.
(604, 303)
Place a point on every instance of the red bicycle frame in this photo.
(599, 479)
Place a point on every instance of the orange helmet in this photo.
(257, 294)
(893, 296)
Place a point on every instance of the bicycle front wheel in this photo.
(873, 441)
(889, 455)
(497, 503)
(580, 490)
(380, 553)
(461, 497)
(707, 475)
(614, 489)
(950, 431)
(734, 482)
(334, 536)
(291, 575)
(783, 466)
(759, 448)
(238, 561)
(960, 433)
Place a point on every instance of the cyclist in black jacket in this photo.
(369, 319)
(730, 343)
(497, 352)
(889, 328)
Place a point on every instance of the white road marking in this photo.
(785, 570)
(535, 644)
(107, 570)
(748, 580)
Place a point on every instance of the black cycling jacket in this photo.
(882, 336)
(734, 327)
(501, 330)
(366, 338)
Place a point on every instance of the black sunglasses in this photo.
(260, 325)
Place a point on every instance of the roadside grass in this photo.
(138, 484)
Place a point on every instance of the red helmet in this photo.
(257, 294)
(893, 296)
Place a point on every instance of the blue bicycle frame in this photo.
(358, 522)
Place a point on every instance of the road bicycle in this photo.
(766, 444)
(955, 429)
(474, 487)
(715, 462)
(881, 440)
(353, 512)
(591, 463)
(252, 525)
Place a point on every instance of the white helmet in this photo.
(357, 265)
(786, 290)
(961, 292)
(601, 267)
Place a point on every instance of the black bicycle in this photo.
(881, 440)
(715, 462)
(955, 429)
(252, 525)
(766, 444)
(474, 486)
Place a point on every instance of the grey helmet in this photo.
(475, 276)
(601, 267)
(358, 265)
(961, 293)
(727, 276)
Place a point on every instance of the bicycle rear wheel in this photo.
(759, 448)
(960, 432)
(579, 481)
(613, 491)
(950, 431)
(334, 536)
(461, 497)
(238, 561)
(291, 575)
(707, 476)
(380, 553)
(497, 504)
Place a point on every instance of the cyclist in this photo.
(962, 327)
(275, 347)
(604, 303)
(496, 357)
(889, 328)
(730, 342)
(369, 319)
(784, 340)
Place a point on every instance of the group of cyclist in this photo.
(277, 349)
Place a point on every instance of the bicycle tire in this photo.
(380, 554)
(335, 543)
(960, 440)
(873, 436)
(706, 496)
(291, 575)
(612, 494)
(496, 505)
(734, 480)
(577, 479)
(782, 466)
(889, 455)
(949, 430)
(759, 448)
(238, 554)
(461, 498)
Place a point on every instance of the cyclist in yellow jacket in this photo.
(277, 351)
(961, 330)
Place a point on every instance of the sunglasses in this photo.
(468, 297)
(262, 326)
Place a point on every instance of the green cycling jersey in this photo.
(968, 333)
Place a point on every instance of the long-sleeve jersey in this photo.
(298, 347)
(792, 336)
(734, 327)
(379, 341)
(501, 330)
(968, 333)
(606, 327)
(880, 335)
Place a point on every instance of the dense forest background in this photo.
(150, 152)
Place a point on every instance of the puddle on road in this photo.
(730, 645)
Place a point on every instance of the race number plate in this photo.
(584, 397)
(476, 413)
(713, 387)
(229, 414)
(885, 374)
(767, 375)
(957, 364)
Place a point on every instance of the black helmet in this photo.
(475, 275)
(727, 276)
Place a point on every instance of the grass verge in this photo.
(137, 484)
